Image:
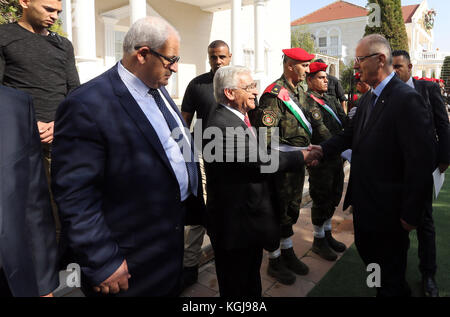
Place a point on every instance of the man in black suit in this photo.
(426, 234)
(27, 234)
(240, 217)
(125, 178)
(392, 162)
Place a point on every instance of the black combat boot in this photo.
(430, 287)
(280, 272)
(321, 247)
(333, 243)
(293, 263)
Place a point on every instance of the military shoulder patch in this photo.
(316, 114)
(269, 118)
(273, 89)
(276, 90)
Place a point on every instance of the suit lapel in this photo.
(137, 115)
(378, 107)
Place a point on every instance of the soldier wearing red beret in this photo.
(282, 107)
(326, 180)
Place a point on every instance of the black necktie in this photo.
(370, 108)
(181, 141)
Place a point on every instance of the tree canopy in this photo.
(302, 38)
(445, 73)
(392, 25)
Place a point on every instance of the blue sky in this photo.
(300, 8)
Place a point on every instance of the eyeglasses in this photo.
(171, 60)
(359, 59)
(249, 88)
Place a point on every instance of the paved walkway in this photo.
(342, 223)
(207, 285)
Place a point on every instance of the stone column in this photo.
(236, 41)
(84, 39)
(259, 35)
(84, 28)
(66, 18)
(110, 57)
(138, 10)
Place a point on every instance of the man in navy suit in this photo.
(124, 184)
(27, 234)
(393, 151)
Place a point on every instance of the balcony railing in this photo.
(431, 56)
(330, 51)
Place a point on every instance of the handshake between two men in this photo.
(312, 155)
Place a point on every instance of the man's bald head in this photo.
(377, 43)
(373, 59)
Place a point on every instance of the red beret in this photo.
(317, 67)
(299, 54)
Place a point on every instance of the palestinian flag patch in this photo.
(269, 118)
(316, 114)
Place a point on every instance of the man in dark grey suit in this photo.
(241, 220)
(392, 162)
(426, 234)
(27, 235)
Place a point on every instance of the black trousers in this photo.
(238, 271)
(426, 236)
(4, 287)
(389, 250)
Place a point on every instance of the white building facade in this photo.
(339, 37)
(97, 29)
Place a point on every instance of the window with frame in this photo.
(322, 42)
(334, 41)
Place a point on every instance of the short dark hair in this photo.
(319, 60)
(311, 75)
(403, 53)
(218, 43)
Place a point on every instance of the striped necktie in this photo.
(181, 141)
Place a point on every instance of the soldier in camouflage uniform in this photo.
(326, 180)
(288, 187)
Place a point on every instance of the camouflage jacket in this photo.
(323, 123)
(272, 112)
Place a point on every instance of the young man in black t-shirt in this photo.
(39, 62)
(199, 98)
(199, 95)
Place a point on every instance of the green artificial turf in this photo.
(348, 276)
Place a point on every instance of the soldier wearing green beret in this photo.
(281, 106)
(326, 180)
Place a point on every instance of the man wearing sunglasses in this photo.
(126, 179)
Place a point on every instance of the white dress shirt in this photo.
(410, 83)
(147, 103)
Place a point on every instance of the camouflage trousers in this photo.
(326, 183)
(288, 193)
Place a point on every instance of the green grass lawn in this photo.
(348, 277)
